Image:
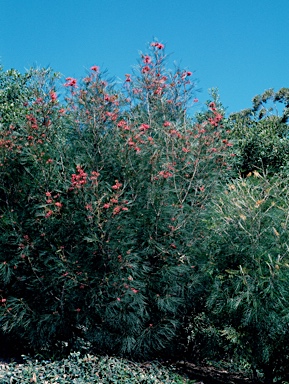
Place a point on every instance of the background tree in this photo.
(260, 135)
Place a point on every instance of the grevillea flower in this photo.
(79, 179)
(158, 91)
(144, 127)
(70, 82)
(166, 124)
(157, 45)
(117, 185)
(165, 174)
(145, 69)
(116, 210)
(123, 124)
(147, 59)
(53, 96)
(127, 78)
(94, 68)
(94, 175)
(212, 106)
(49, 213)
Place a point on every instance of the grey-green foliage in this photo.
(248, 260)
(89, 369)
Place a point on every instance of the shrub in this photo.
(260, 135)
(248, 262)
(89, 369)
(100, 227)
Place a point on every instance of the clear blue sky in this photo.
(239, 46)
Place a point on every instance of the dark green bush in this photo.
(248, 261)
(100, 206)
(260, 134)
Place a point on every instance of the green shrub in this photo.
(248, 261)
(89, 369)
(101, 224)
(260, 135)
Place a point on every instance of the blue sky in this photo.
(239, 46)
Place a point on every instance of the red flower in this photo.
(70, 82)
(165, 174)
(116, 210)
(128, 78)
(53, 96)
(147, 59)
(157, 45)
(166, 124)
(94, 68)
(145, 69)
(49, 213)
(117, 185)
(144, 127)
(94, 175)
(212, 106)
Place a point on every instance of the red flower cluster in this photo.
(165, 174)
(147, 59)
(51, 200)
(53, 96)
(70, 82)
(217, 116)
(78, 179)
(117, 185)
(33, 121)
(94, 177)
(94, 68)
(123, 124)
(127, 78)
(157, 45)
(145, 69)
(144, 127)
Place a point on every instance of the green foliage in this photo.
(260, 135)
(124, 228)
(89, 369)
(249, 266)
(100, 227)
